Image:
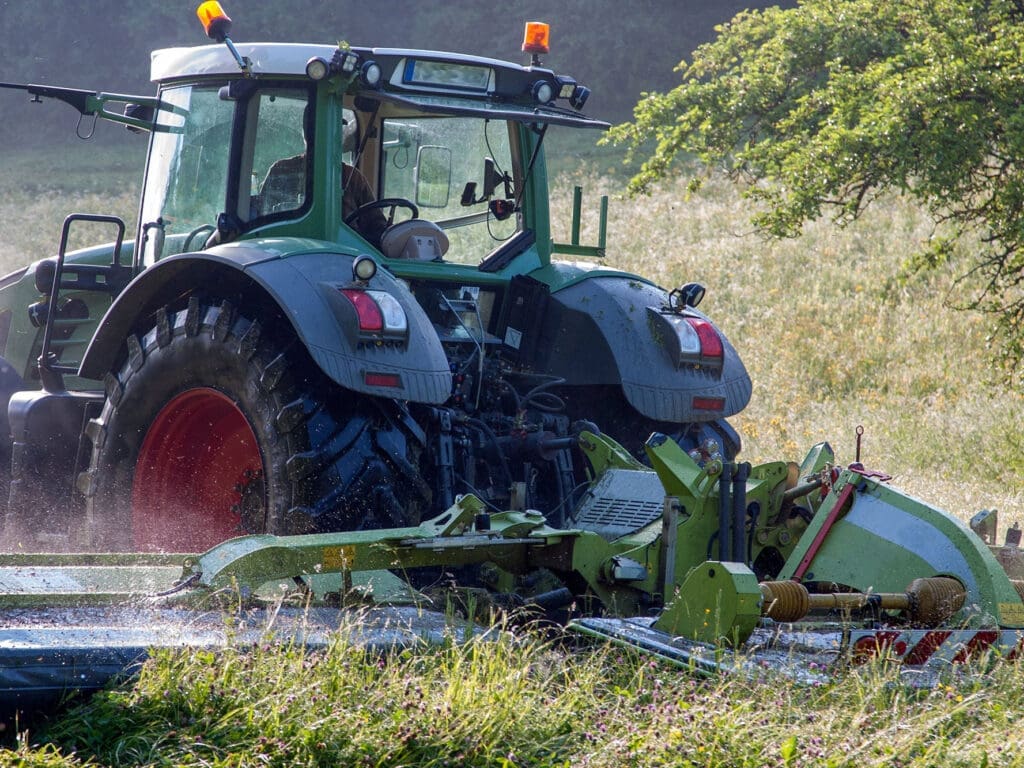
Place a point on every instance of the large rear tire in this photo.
(216, 427)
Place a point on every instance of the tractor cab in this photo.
(420, 156)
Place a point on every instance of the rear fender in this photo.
(604, 330)
(305, 290)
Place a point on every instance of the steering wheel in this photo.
(202, 230)
(391, 203)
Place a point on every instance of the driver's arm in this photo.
(357, 192)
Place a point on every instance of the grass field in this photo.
(522, 701)
(832, 340)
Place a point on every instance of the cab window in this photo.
(186, 177)
(191, 184)
(281, 175)
(454, 169)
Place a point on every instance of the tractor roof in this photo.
(430, 80)
(285, 59)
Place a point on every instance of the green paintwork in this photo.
(573, 247)
(517, 542)
(560, 275)
(717, 603)
(885, 539)
(22, 345)
(604, 453)
(697, 492)
(452, 538)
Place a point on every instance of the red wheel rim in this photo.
(196, 460)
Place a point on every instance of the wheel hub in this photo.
(198, 475)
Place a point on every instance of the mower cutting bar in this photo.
(41, 580)
(82, 585)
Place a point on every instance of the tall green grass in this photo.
(520, 700)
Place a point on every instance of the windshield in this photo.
(187, 172)
(460, 173)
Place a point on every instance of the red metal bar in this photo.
(833, 516)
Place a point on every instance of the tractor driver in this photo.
(285, 183)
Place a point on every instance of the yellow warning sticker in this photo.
(1012, 614)
(339, 558)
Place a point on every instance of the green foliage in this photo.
(821, 108)
(516, 700)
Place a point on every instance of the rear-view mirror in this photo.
(433, 176)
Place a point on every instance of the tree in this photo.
(824, 107)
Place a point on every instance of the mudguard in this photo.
(603, 329)
(305, 284)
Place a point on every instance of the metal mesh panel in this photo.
(623, 501)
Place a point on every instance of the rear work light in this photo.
(378, 313)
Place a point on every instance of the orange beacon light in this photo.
(216, 23)
(536, 37)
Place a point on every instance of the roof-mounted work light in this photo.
(542, 91)
(370, 74)
(345, 63)
(572, 91)
(317, 68)
(566, 86)
(579, 97)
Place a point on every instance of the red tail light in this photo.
(371, 319)
(380, 315)
(710, 341)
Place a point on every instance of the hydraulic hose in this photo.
(739, 512)
(725, 513)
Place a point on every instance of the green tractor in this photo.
(341, 310)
